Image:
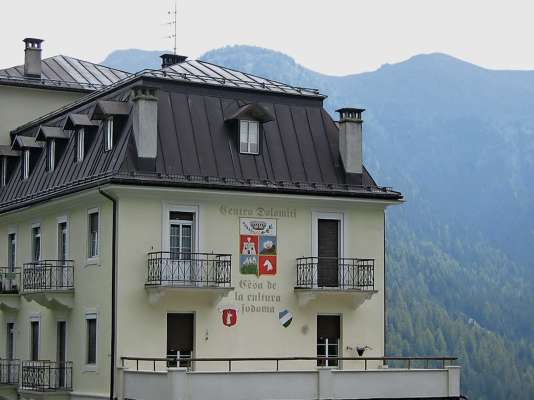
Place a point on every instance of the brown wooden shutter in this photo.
(180, 332)
(328, 326)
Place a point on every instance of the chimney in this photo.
(32, 57)
(168, 60)
(350, 139)
(145, 120)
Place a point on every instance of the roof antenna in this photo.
(173, 15)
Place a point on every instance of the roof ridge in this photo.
(260, 77)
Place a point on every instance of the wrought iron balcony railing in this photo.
(340, 273)
(47, 276)
(9, 280)
(9, 372)
(189, 269)
(45, 376)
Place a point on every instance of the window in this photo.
(108, 139)
(34, 340)
(51, 155)
(12, 251)
(3, 176)
(10, 340)
(249, 137)
(91, 329)
(181, 234)
(80, 145)
(62, 240)
(26, 164)
(93, 239)
(328, 339)
(36, 243)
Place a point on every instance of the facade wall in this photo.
(143, 227)
(19, 105)
(91, 281)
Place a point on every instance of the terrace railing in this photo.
(189, 269)
(336, 273)
(9, 372)
(44, 376)
(47, 276)
(9, 280)
(278, 363)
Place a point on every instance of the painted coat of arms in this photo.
(257, 246)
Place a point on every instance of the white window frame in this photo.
(63, 220)
(340, 344)
(9, 233)
(108, 134)
(80, 144)
(3, 177)
(248, 136)
(35, 318)
(90, 315)
(36, 225)
(338, 216)
(166, 225)
(14, 322)
(93, 259)
(51, 155)
(25, 164)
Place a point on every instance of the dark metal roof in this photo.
(106, 108)
(51, 132)
(65, 73)
(196, 147)
(205, 72)
(7, 151)
(25, 142)
(77, 120)
(251, 111)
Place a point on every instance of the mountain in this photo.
(458, 141)
(133, 60)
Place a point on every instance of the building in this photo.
(195, 232)
(40, 86)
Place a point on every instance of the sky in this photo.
(335, 37)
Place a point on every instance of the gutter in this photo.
(113, 295)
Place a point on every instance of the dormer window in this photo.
(51, 154)
(3, 175)
(108, 138)
(249, 132)
(80, 144)
(25, 164)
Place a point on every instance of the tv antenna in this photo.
(173, 16)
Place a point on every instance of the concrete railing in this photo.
(321, 383)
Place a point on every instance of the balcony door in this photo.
(62, 253)
(180, 339)
(181, 247)
(328, 252)
(328, 339)
(61, 352)
(34, 340)
(10, 341)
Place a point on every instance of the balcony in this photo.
(9, 372)
(46, 376)
(292, 378)
(200, 273)
(9, 289)
(49, 283)
(352, 279)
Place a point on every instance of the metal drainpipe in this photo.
(113, 294)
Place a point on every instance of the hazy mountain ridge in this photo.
(458, 141)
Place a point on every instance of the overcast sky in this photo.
(330, 36)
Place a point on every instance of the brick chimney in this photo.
(145, 120)
(350, 139)
(169, 59)
(32, 57)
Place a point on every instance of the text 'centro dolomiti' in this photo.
(258, 212)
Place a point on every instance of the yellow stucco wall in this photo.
(92, 286)
(142, 213)
(19, 105)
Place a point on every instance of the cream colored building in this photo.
(193, 233)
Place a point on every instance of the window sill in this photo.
(95, 261)
(89, 368)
